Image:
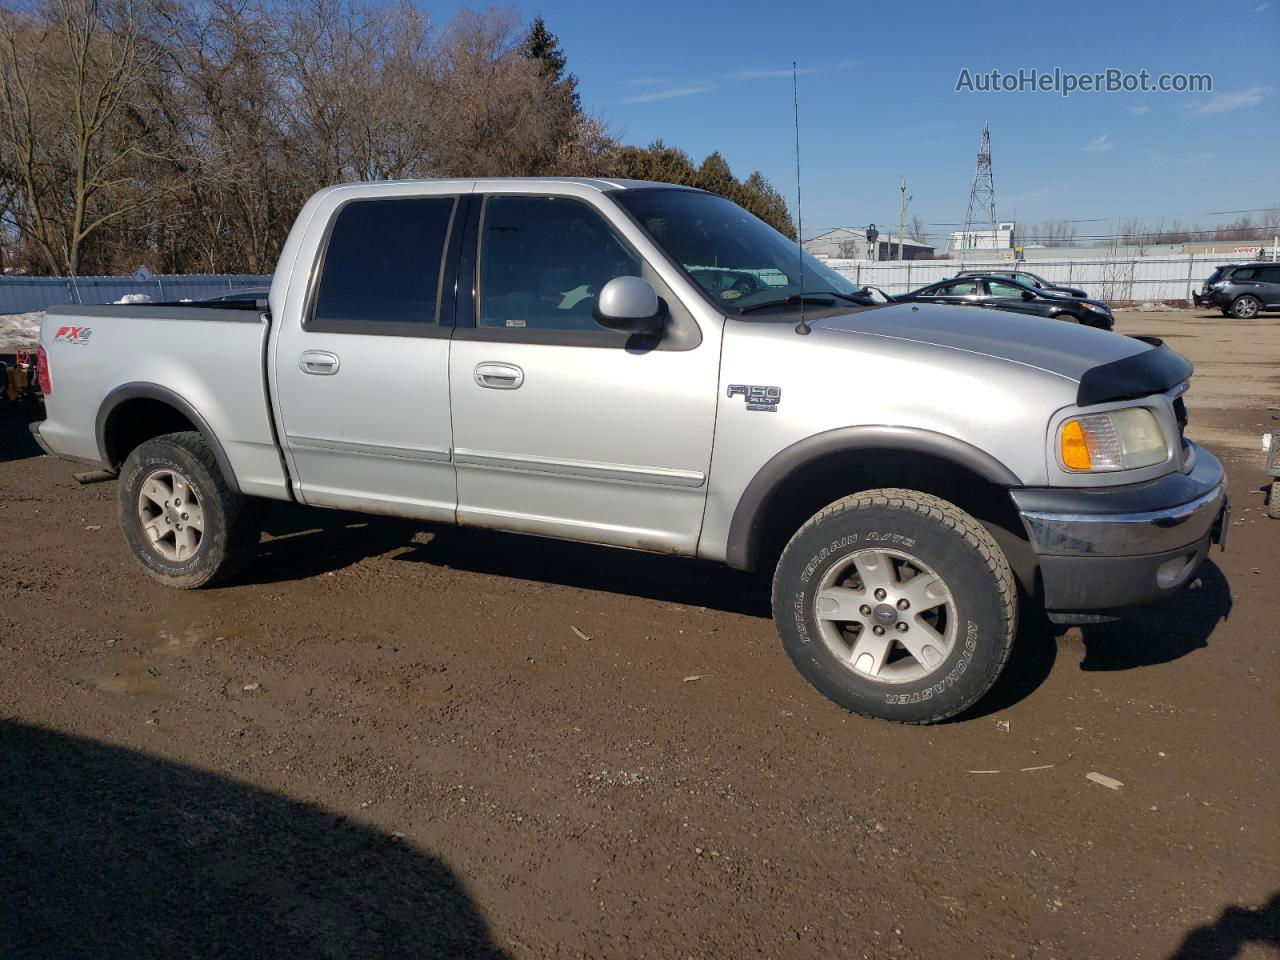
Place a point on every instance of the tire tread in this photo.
(973, 533)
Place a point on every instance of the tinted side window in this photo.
(1270, 275)
(381, 269)
(1246, 273)
(543, 260)
(997, 289)
(965, 288)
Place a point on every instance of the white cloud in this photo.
(1232, 100)
(1099, 144)
(1262, 6)
(670, 93)
(689, 88)
(1140, 108)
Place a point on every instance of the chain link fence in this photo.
(29, 294)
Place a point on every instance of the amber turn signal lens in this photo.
(1075, 449)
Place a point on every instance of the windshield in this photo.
(738, 259)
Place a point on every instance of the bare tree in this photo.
(71, 73)
(917, 230)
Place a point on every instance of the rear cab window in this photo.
(381, 269)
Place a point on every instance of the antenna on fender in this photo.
(803, 326)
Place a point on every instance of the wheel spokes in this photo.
(841, 603)
(924, 643)
(876, 570)
(870, 652)
(924, 591)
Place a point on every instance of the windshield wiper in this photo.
(796, 299)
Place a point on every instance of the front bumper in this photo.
(1105, 549)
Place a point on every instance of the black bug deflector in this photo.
(1151, 371)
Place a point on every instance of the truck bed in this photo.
(209, 356)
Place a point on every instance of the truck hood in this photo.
(1054, 346)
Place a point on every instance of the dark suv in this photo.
(1242, 289)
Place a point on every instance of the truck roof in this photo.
(603, 184)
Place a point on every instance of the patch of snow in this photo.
(20, 331)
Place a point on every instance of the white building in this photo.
(1001, 239)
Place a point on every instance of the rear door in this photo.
(362, 374)
(1269, 283)
(562, 427)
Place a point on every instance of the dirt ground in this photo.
(391, 739)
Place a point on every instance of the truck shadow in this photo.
(306, 543)
(1236, 928)
(110, 852)
(16, 442)
(1152, 635)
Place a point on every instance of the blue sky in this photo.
(878, 100)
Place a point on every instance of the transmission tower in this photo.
(982, 195)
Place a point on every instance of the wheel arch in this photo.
(135, 412)
(806, 476)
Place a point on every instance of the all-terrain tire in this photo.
(231, 523)
(940, 536)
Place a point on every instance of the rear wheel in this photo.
(896, 604)
(182, 522)
(1246, 307)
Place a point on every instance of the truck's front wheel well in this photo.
(826, 479)
(134, 422)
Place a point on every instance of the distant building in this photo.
(850, 243)
(1002, 238)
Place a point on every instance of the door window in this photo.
(1245, 273)
(998, 289)
(965, 288)
(1270, 275)
(543, 261)
(382, 266)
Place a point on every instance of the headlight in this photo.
(1117, 440)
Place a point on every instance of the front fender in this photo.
(744, 529)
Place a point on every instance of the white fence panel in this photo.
(1131, 279)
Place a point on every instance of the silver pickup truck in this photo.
(648, 366)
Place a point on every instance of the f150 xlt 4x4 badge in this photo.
(757, 397)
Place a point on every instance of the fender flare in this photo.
(140, 390)
(744, 529)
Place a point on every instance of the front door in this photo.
(363, 377)
(1007, 296)
(562, 427)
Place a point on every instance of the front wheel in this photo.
(896, 604)
(182, 522)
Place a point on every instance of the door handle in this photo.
(499, 376)
(322, 363)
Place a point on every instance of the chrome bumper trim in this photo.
(1125, 534)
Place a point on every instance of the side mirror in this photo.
(1028, 295)
(629, 305)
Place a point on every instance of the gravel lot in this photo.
(390, 739)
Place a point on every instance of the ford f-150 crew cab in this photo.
(649, 366)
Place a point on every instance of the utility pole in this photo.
(902, 212)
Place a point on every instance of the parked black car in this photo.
(1241, 289)
(1030, 279)
(1003, 293)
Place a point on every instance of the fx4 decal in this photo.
(72, 335)
(757, 397)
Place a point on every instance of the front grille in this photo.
(1180, 412)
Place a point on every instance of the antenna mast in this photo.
(802, 327)
(982, 195)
